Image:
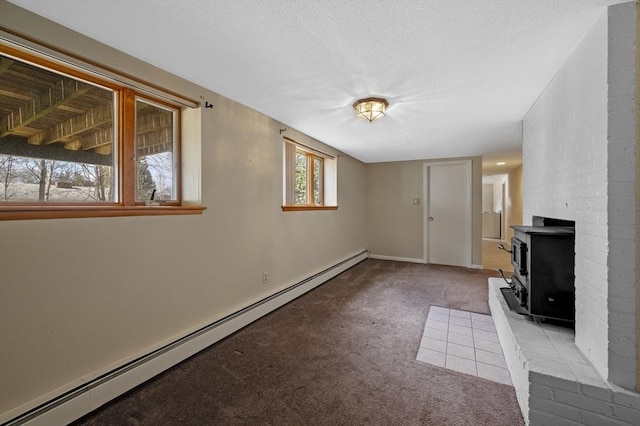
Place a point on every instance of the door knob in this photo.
(429, 218)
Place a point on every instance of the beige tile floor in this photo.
(463, 341)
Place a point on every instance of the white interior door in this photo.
(448, 213)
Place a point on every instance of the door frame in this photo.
(425, 210)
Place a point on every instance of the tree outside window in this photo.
(308, 174)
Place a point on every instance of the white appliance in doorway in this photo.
(491, 225)
(447, 213)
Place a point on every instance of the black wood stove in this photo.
(543, 282)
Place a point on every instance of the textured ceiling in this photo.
(459, 75)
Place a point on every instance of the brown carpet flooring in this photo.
(342, 354)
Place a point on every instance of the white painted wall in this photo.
(579, 165)
(82, 296)
(621, 175)
(487, 197)
(497, 195)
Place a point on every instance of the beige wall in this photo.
(81, 296)
(514, 201)
(395, 224)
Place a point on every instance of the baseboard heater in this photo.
(69, 407)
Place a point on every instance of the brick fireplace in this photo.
(579, 147)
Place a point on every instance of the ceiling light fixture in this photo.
(502, 163)
(370, 108)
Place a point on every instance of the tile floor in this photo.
(463, 341)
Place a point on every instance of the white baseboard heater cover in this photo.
(85, 398)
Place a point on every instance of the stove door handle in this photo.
(509, 283)
(501, 247)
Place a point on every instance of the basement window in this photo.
(309, 181)
(156, 146)
(73, 144)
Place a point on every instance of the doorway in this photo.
(447, 213)
(503, 210)
(494, 214)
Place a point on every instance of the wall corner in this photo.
(622, 195)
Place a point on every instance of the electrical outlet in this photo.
(265, 277)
